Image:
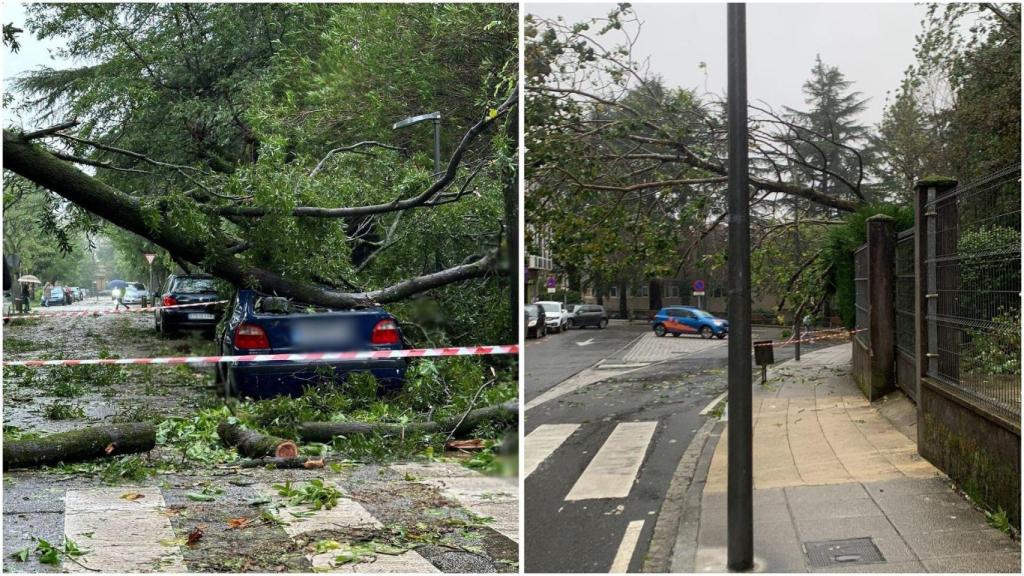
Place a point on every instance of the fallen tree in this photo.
(78, 445)
(253, 444)
(455, 426)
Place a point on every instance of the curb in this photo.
(677, 510)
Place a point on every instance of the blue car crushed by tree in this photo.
(262, 324)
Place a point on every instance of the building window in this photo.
(613, 291)
(718, 293)
(672, 290)
(641, 291)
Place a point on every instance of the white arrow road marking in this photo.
(585, 342)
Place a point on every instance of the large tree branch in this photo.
(43, 168)
(396, 205)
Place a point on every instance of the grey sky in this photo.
(872, 44)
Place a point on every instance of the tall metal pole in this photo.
(740, 497)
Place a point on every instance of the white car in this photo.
(135, 294)
(556, 318)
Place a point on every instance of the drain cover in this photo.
(843, 552)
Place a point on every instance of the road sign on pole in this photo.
(740, 495)
(698, 286)
(150, 258)
(552, 282)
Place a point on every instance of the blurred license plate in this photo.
(321, 333)
(199, 316)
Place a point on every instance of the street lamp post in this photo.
(740, 505)
(436, 118)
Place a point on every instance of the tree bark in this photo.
(457, 426)
(253, 444)
(78, 445)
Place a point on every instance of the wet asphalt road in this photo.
(587, 535)
(554, 358)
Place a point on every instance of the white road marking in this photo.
(626, 548)
(121, 535)
(615, 466)
(544, 440)
(495, 498)
(587, 342)
(707, 409)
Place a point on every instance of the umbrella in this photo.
(29, 279)
(116, 284)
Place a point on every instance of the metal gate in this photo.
(906, 343)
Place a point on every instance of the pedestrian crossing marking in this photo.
(614, 469)
(346, 514)
(627, 547)
(488, 497)
(543, 441)
(121, 535)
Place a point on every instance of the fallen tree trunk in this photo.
(253, 444)
(78, 445)
(299, 462)
(459, 425)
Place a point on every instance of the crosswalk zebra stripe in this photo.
(626, 548)
(543, 441)
(614, 469)
(488, 497)
(121, 534)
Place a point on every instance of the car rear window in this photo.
(193, 285)
(278, 305)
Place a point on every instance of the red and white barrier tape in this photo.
(84, 313)
(842, 334)
(317, 356)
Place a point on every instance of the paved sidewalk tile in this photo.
(828, 466)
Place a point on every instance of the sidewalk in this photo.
(828, 466)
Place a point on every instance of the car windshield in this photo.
(131, 290)
(551, 307)
(193, 285)
(531, 310)
(57, 292)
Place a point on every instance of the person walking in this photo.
(120, 299)
(46, 293)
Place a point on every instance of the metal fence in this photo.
(973, 265)
(860, 281)
(905, 315)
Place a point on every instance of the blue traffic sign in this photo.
(698, 285)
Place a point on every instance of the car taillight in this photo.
(249, 337)
(169, 301)
(385, 332)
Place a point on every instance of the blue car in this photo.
(676, 320)
(261, 324)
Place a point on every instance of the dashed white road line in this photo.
(627, 547)
(615, 467)
(542, 442)
(121, 534)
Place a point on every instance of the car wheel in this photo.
(603, 324)
(659, 330)
(706, 332)
(720, 335)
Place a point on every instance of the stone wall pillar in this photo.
(881, 304)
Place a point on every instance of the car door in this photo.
(690, 321)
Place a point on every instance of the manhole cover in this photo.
(843, 552)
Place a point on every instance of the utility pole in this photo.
(740, 494)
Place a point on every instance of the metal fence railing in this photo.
(973, 257)
(904, 297)
(860, 280)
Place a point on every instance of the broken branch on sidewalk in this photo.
(78, 445)
(254, 444)
(466, 423)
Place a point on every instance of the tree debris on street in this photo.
(79, 445)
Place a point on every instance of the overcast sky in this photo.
(872, 44)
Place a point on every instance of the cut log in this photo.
(79, 445)
(255, 445)
(458, 425)
(300, 462)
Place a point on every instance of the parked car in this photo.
(555, 317)
(535, 325)
(187, 289)
(54, 298)
(135, 294)
(676, 320)
(262, 324)
(76, 294)
(588, 315)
